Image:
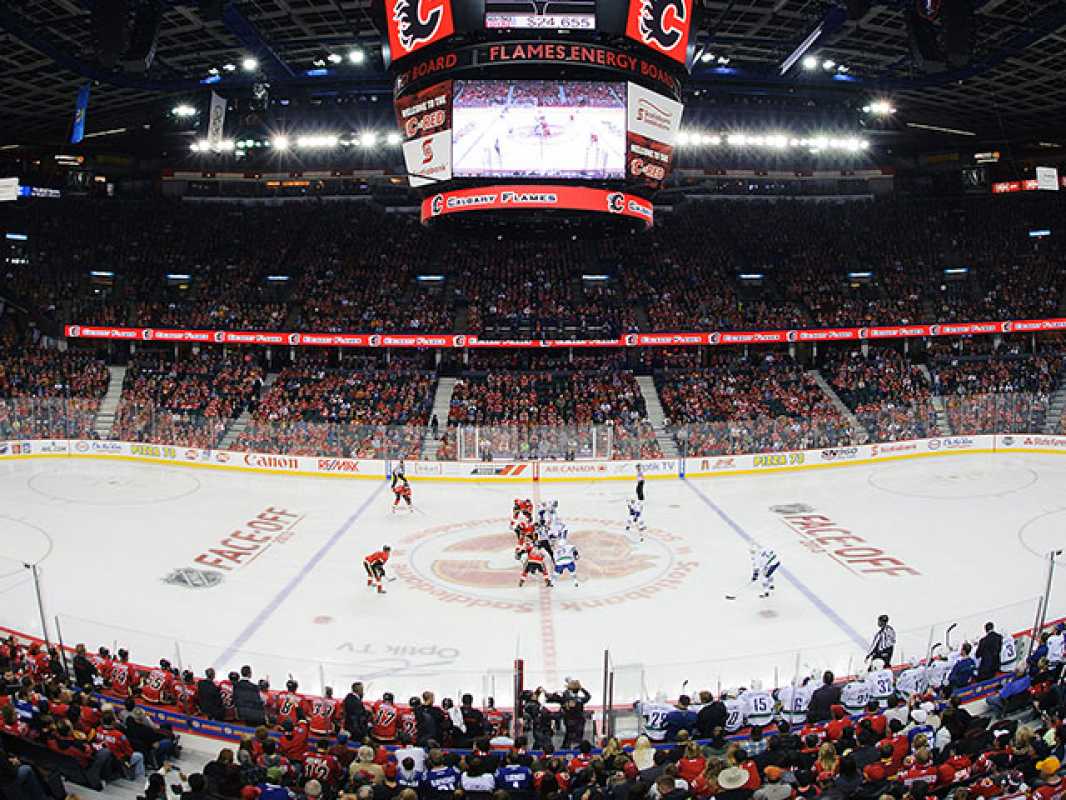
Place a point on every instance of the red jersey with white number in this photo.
(185, 697)
(496, 721)
(288, 704)
(323, 712)
(322, 767)
(122, 679)
(156, 686)
(103, 666)
(384, 721)
(115, 741)
(225, 688)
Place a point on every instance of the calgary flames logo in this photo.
(476, 563)
(416, 25)
(662, 22)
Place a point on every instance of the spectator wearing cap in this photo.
(773, 788)
(1049, 786)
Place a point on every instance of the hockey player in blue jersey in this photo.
(764, 564)
(565, 557)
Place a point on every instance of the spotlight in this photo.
(250, 64)
(356, 56)
(393, 138)
(280, 142)
(810, 62)
(183, 111)
(828, 64)
(707, 58)
(333, 58)
(369, 139)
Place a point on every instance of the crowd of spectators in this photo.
(315, 409)
(48, 393)
(765, 402)
(817, 265)
(997, 394)
(561, 414)
(187, 401)
(889, 395)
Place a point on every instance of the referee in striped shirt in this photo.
(884, 641)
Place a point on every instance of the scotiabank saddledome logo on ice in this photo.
(473, 564)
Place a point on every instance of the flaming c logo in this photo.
(476, 562)
(616, 202)
(436, 206)
(662, 23)
(417, 21)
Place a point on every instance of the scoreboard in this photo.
(538, 104)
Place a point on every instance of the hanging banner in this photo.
(81, 108)
(216, 120)
(662, 25)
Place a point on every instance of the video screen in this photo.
(579, 15)
(539, 129)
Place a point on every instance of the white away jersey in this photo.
(758, 707)
(636, 509)
(763, 560)
(564, 553)
(794, 703)
(881, 683)
(912, 681)
(855, 695)
(653, 716)
(1056, 646)
(734, 720)
(1008, 653)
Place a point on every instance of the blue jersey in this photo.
(442, 779)
(515, 778)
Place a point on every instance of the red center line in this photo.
(547, 616)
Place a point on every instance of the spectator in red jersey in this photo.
(293, 743)
(111, 736)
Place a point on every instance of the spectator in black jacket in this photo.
(247, 699)
(209, 698)
(356, 719)
(824, 698)
(13, 773)
(988, 653)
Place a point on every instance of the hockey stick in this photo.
(736, 592)
(947, 634)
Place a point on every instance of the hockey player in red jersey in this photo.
(523, 509)
(289, 703)
(374, 564)
(384, 719)
(402, 491)
(185, 693)
(158, 685)
(532, 558)
(322, 766)
(124, 678)
(324, 712)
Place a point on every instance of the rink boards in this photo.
(533, 471)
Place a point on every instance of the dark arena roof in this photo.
(1011, 86)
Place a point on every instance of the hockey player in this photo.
(734, 708)
(522, 510)
(532, 558)
(855, 695)
(881, 681)
(401, 491)
(764, 564)
(913, 681)
(758, 705)
(542, 539)
(636, 517)
(374, 564)
(565, 558)
(795, 701)
(524, 531)
(653, 718)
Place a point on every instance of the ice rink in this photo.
(580, 142)
(931, 541)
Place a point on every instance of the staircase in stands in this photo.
(862, 436)
(240, 425)
(442, 403)
(104, 421)
(657, 417)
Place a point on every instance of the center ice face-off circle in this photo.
(474, 561)
(120, 485)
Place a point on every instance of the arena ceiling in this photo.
(1015, 87)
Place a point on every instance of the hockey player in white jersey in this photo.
(913, 681)
(734, 708)
(636, 517)
(881, 682)
(565, 556)
(939, 669)
(854, 696)
(795, 701)
(764, 564)
(758, 705)
(653, 718)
